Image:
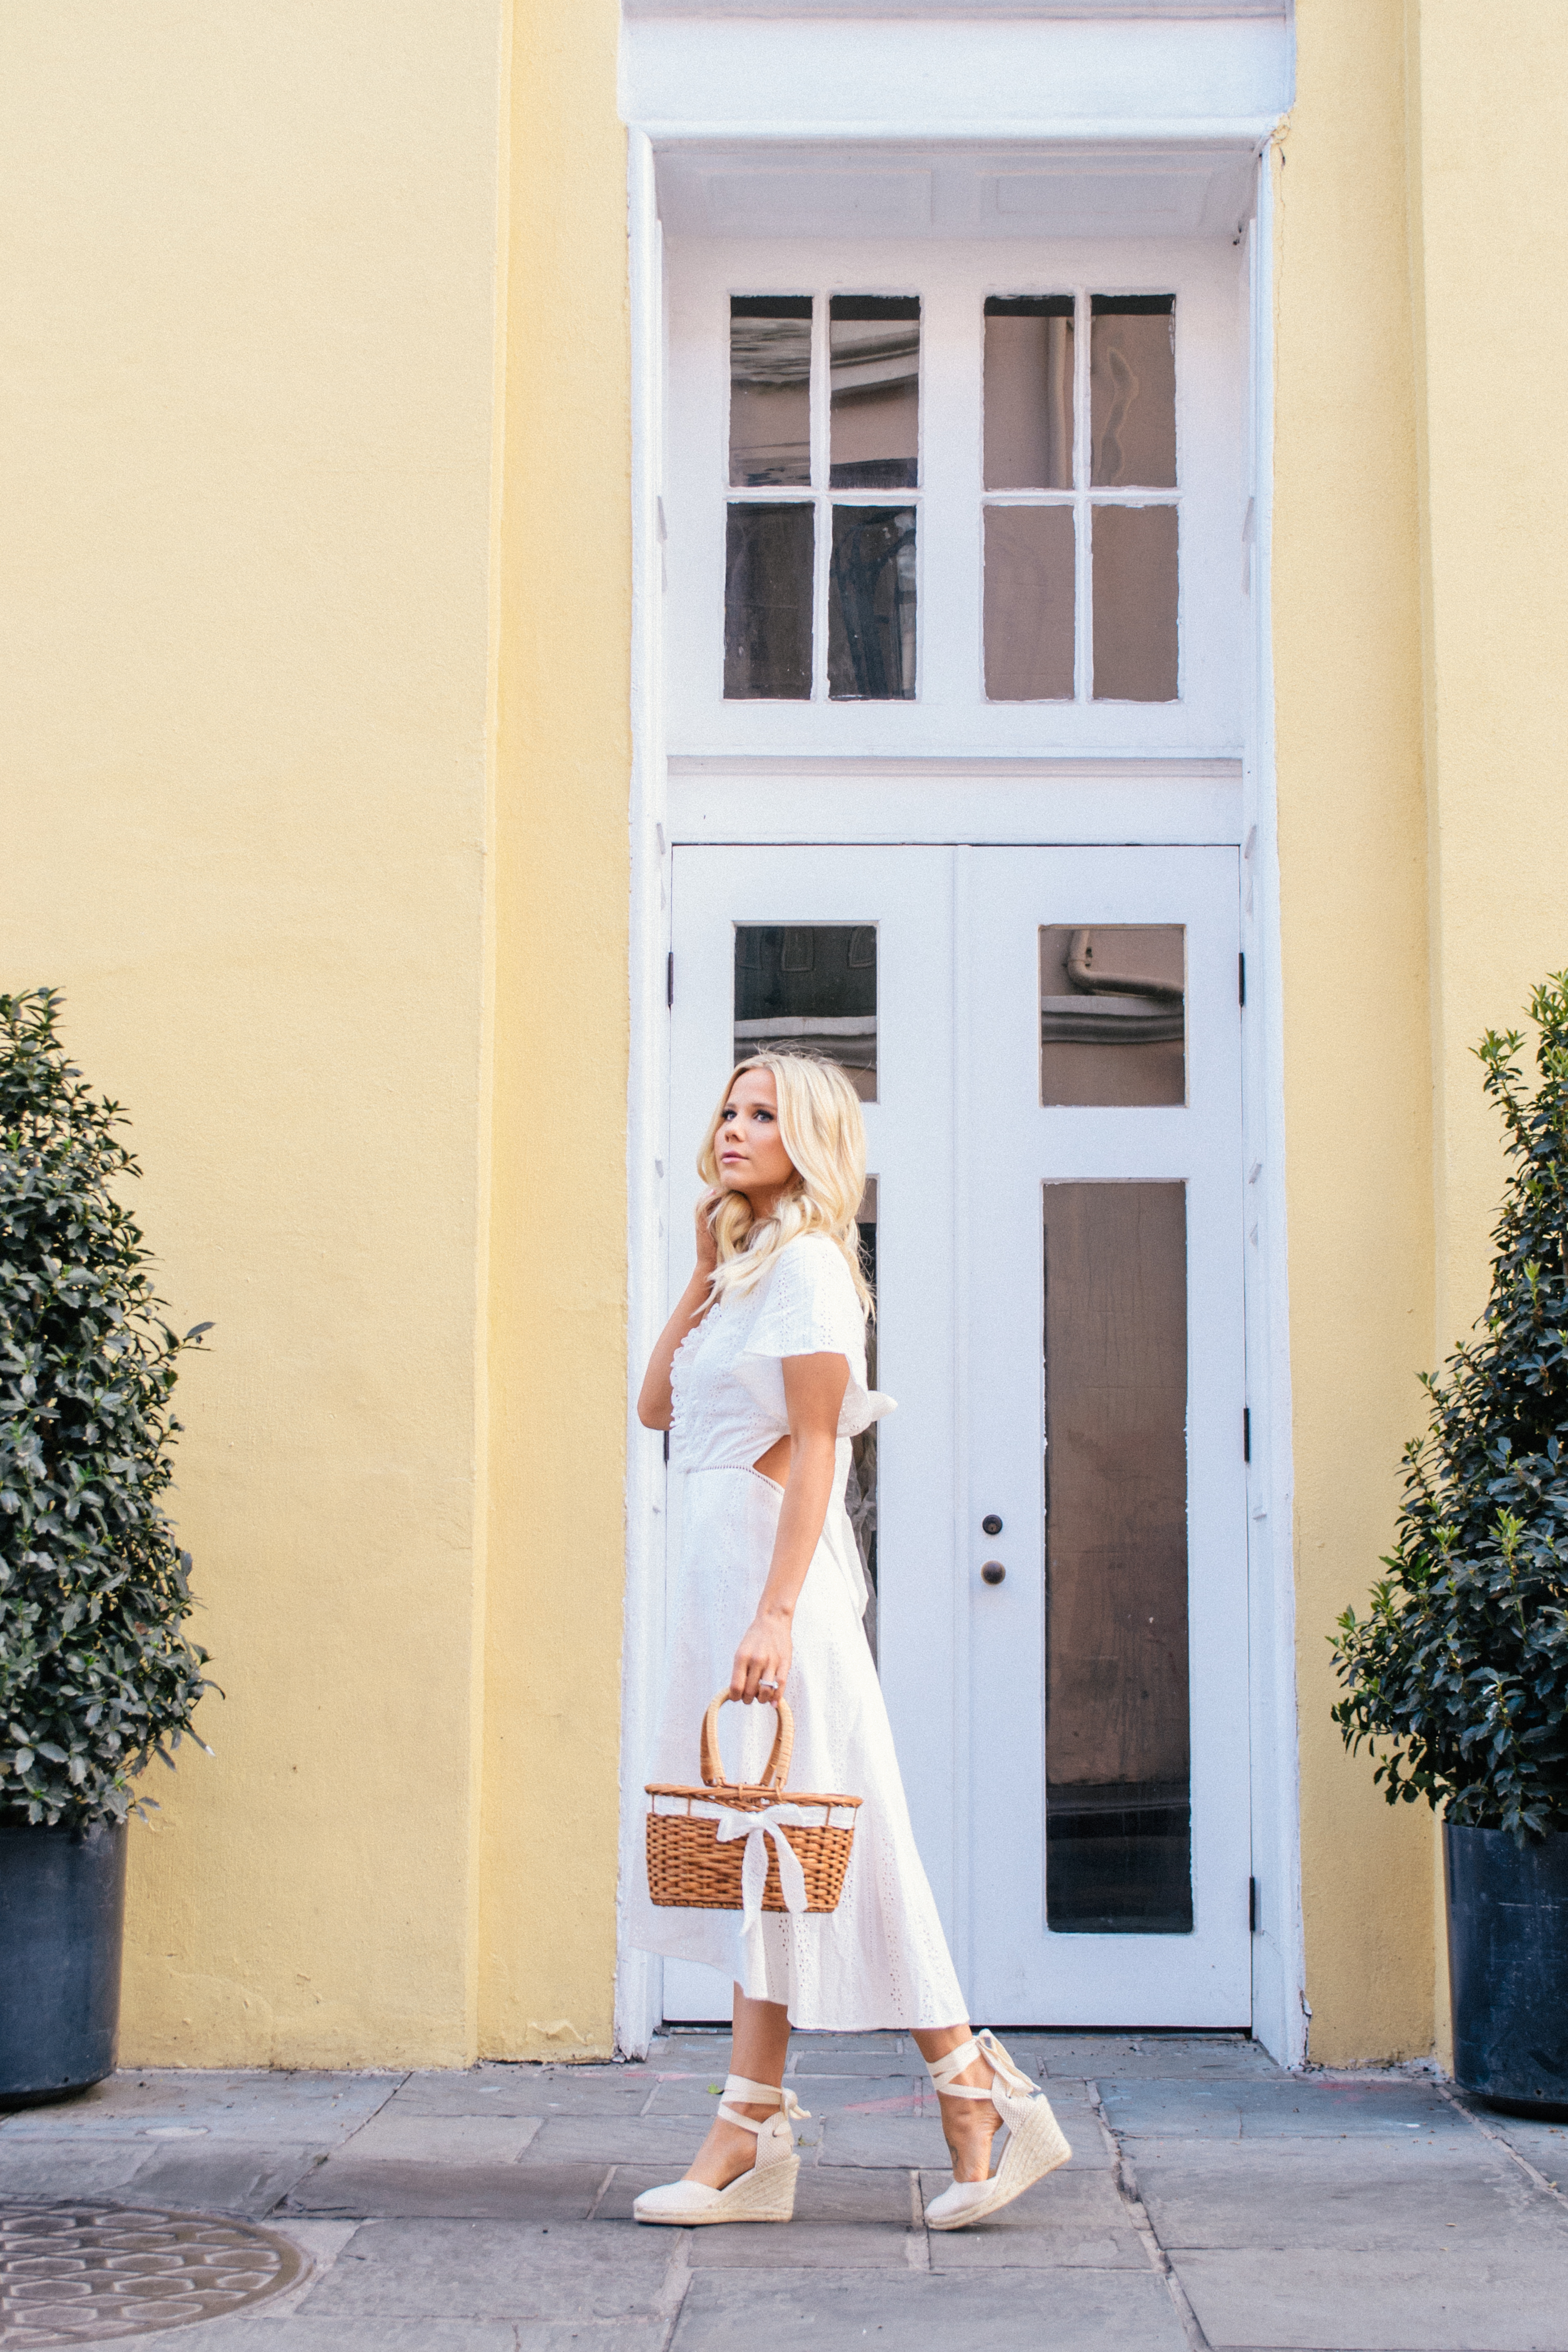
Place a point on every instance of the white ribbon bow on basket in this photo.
(757, 1829)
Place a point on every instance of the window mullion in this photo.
(821, 391)
(1083, 659)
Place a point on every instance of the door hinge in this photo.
(1252, 1906)
(1247, 1433)
(670, 979)
(1241, 979)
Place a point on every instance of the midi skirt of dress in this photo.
(880, 1958)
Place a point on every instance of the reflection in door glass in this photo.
(1131, 391)
(860, 1490)
(1137, 650)
(871, 605)
(1028, 392)
(768, 603)
(1111, 1013)
(1117, 1750)
(874, 359)
(769, 389)
(1029, 603)
(808, 988)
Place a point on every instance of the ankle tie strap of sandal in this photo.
(957, 2062)
(942, 2071)
(760, 2094)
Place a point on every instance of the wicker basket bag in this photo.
(748, 1849)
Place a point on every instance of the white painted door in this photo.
(814, 908)
(1107, 1862)
(1078, 1778)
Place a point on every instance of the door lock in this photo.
(991, 1525)
(993, 1572)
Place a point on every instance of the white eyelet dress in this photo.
(881, 1959)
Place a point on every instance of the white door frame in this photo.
(1026, 801)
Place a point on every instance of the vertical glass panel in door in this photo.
(808, 988)
(1029, 603)
(874, 346)
(871, 605)
(1029, 392)
(1131, 391)
(769, 389)
(767, 557)
(1112, 1016)
(1117, 1743)
(1134, 556)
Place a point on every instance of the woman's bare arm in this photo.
(813, 1393)
(654, 1401)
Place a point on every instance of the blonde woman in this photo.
(760, 1378)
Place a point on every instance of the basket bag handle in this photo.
(778, 1767)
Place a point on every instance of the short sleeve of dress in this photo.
(811, 1308)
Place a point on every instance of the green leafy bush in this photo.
(96, 1674)
(1461, 1663)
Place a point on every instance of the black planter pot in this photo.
(62, 1928)
(1508, 1967)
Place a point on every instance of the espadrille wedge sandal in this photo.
(765, 2194)
(1035, 2145)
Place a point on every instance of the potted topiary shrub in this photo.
(1460, 1666)
(97, 1676)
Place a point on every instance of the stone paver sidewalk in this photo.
(1211, 2200)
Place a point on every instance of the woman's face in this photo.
(749, 1147)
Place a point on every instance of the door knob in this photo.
(993, 1572)
(991, 1523)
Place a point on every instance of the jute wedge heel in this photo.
(1035, 2142)
(764, 2193)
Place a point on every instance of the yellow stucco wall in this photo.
(1347, 653)
(1484, 150)
(1421, 582)
(559, 1334)
(250, 261)
(1496, 490)
(318, 603)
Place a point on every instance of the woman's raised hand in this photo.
(655, 1399)
(707, 1240)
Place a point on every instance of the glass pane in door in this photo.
(808, 988)
(1117, 1749)
(1113, 1016)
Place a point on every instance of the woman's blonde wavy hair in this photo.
(820, 1127)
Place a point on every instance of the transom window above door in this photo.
(851, 425)
(1082, 530)
(943, 497)
(1079, 498)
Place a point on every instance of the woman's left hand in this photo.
(763, 1657)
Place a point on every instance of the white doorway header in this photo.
(956, 76)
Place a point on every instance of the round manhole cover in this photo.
(83, 2274)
